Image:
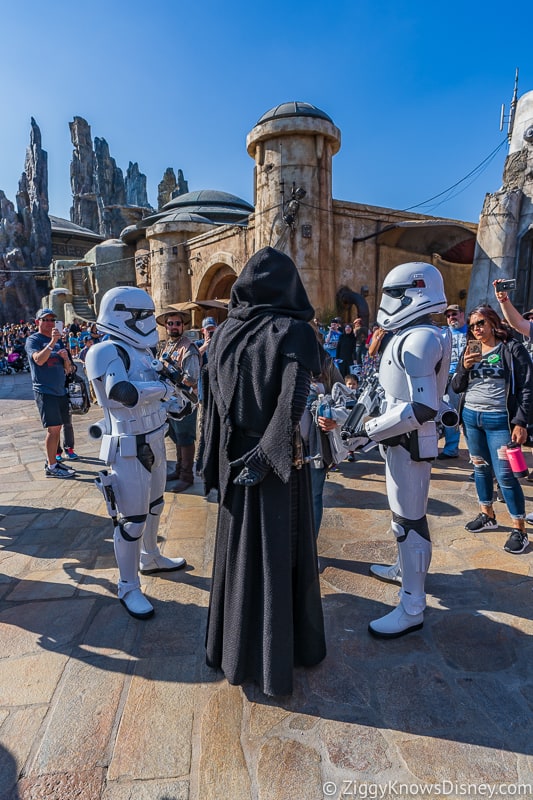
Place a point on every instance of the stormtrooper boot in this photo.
(408, 616)
(129, 585)
(151, 559)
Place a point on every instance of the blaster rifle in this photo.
(367, 404)
(169, 370)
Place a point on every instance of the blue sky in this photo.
(415, 88)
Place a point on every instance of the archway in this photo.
(216, 283)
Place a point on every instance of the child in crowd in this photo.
(352, 382)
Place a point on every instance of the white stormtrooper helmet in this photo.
(410, 291)
(128, 313)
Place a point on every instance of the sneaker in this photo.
(71, 455)
(517, 542)
(59, 471)
(481, 523)
(59, 458)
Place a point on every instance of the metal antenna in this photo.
(509, 118)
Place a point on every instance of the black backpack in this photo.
(78, 395)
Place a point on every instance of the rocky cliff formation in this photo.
(101, 199)
(170, 187)
(25, 237)
(135, 185)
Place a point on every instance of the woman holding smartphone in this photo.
(494, 376)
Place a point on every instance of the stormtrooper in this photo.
(413, 374)
(136, 401)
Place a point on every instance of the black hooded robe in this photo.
(265, 611)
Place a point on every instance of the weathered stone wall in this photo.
(184, 266)
(113, 265)
(503, 248)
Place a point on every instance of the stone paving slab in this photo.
(95, 705)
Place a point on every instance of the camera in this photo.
(505, 285)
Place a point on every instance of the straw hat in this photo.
(172, 312)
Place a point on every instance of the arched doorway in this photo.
(217, 282)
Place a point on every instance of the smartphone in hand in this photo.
(474, 348)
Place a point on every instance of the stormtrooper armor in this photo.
(135, 402)
(413, 374)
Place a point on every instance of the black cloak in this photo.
(265, 610)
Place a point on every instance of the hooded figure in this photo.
(265, 611)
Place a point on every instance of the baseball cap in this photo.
(453, 307)
(45, 312)
(209, 322)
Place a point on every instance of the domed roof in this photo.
(207, 206)
(294, 109)
(207, 198)
(179, 215)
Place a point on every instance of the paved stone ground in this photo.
(95, 704)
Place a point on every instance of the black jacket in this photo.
(518, 372)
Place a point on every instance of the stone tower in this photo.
(293, 145)
(504, 247)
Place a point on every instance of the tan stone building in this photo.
(505, 239)
(196, 246)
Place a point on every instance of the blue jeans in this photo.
(486, 433)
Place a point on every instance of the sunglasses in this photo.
(478, 324)
(171, 322)
(452, 314)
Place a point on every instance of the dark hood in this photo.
(270, 284)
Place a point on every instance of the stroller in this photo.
(18, 360)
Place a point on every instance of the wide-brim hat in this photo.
(528, 314)
(172, 312)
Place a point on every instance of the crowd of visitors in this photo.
(263, 399)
